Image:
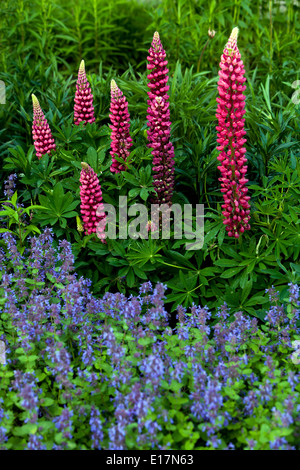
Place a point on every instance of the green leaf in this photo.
(144, 194)
(256, 300)
(134, 192)
(130, 178)
(226, 263)
(92, 158)
(231, 272)
(28, 428)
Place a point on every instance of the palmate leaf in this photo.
(143, 252)
(59, 206)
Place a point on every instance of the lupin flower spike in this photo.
(83, 108)
(163, 151)
(91, 199)
(159, 123)
(43, 140)
(230, 137)
(120, 137)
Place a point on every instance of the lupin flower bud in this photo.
(159, 123)
(230, 137)
(43, 140)
(120, 137)
(83, 108)
(79, 224)
(91, 199)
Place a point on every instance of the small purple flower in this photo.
(96, 428)
(153, 369)
(34, 443)
(64, 423)
(280, 443)
(9, 185)
(223, 312)
(251, 402)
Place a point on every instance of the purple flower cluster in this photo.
(235, 333)
(63, 424)
(9, 185)
(96, 428)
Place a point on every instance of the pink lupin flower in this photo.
(83, 108)
(120, 137)
(158, 77)
(230, 137)
(91, 199)
(43, 140)
(159, 123)
(163, 150)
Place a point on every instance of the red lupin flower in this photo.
(91, 199)
(120, 137)
(83, 108)
(230, 137)
(43, 140)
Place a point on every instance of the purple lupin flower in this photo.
(83, 108)
(43, 140)
(159, 123)
(120, 137)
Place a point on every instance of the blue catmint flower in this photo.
(34, 443)
(9, 185)
(223, 312)
(294, 293)
(251, 402)
(153, 369)
(64, 423)
(96, 428)
(280, 443)
(273, 294)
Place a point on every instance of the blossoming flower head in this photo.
(83, 108)
(120, 137)
(231, 132)
(91, 198)
(43, 140)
